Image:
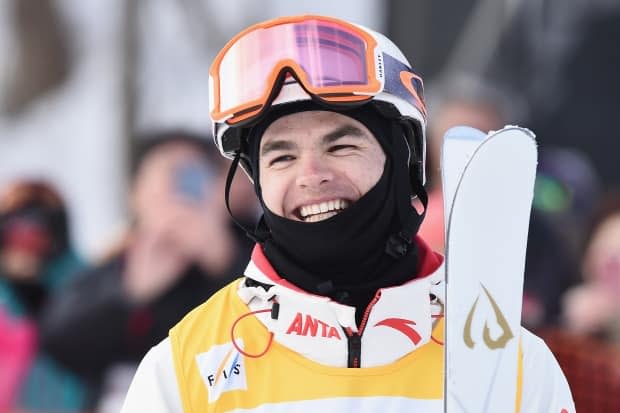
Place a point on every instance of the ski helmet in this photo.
(330, 61)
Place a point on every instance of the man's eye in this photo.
(281, 159)
(338, 148)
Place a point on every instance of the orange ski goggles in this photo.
(333, 60)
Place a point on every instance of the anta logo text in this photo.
(313, 327)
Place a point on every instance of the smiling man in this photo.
(315, 164)
(341, 305)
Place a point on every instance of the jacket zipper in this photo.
(355, 350)
(354, 340)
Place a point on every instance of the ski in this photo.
(459, 145)
(488, 191)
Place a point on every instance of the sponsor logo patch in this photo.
(313, 327)
(404, 326)
(222, 369)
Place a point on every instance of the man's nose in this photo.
(313, 172)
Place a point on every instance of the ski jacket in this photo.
(264, 345)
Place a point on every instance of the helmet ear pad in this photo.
(413, 132)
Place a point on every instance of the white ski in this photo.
(459, 144)
(487, 208)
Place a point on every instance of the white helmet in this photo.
(301, 58)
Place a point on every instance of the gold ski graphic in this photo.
(501, 320)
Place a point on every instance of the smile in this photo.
(323, 210)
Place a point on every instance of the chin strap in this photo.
(399, 244)
(229, 179)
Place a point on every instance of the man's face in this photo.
(314, 164)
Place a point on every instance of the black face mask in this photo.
(343, 245)
(345, 256)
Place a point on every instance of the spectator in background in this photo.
(36, 261)
(566, 192)
(541, 75)
(567, 187)
(555, 70)
(593, 307)
(180, 249)
(451, 106)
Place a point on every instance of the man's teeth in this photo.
(324, 210)
(320, 217)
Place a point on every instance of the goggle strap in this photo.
(229, 179)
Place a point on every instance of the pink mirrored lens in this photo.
(328, 54)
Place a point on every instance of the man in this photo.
(340, 307)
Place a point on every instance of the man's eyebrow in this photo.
(345, 130)
(277, 145)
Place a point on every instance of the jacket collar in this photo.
(399, 320)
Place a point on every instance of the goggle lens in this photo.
(329, 59)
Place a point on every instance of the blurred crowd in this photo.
(71, 332)
(74, 324)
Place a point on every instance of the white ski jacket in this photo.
(241, 352)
